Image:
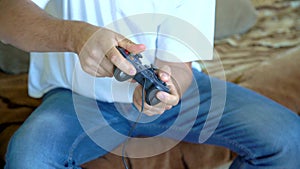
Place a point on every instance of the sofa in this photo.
(259, 49)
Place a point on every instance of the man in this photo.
(82, 117)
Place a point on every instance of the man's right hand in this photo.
(28, 27)
(99, 55)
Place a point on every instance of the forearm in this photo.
(26, 26)
(181, 74)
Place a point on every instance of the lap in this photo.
(234, 117)
(53, 134)
(211, 111)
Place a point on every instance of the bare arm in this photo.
(26, 26)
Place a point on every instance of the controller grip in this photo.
(121, 76)
(151, 98)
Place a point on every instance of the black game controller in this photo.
(145, 76)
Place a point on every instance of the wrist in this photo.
(78, 34)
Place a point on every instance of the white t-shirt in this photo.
(172, 30)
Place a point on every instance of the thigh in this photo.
(234, 117)
(54, 136)
(261, 131)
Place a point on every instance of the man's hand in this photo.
(168, 100)
(98, 55)
(28, 27)
(178, 77)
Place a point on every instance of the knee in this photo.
(278, 147)
(32, 144)
(287, 143)
(21, 153)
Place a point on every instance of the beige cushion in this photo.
(278, 79)
(234, 17)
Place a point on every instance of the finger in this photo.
(103, 69)
(138, 100)
(169, 99)
(164, 73)
(96, 72)
(132, 47)
(151, 113)
(107, 66)
(154, 110)
(168, 107)
(118, 60)
(142, 108)
(101, 72)
(157, 109)
(91, 71)
(94, 64)
(149, 110)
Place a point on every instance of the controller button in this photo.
(127, 52)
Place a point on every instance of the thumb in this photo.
(120, 62)
(132, 47)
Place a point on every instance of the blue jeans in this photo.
(67, 129)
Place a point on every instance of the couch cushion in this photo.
(183, 155)
(13, 60)
(278, 79)
(234, 17)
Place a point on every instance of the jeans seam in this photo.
(235, 144)
(216, 136)
(161, 126)
(83, 135)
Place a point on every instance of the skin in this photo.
(178, 77)
(26, 26)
